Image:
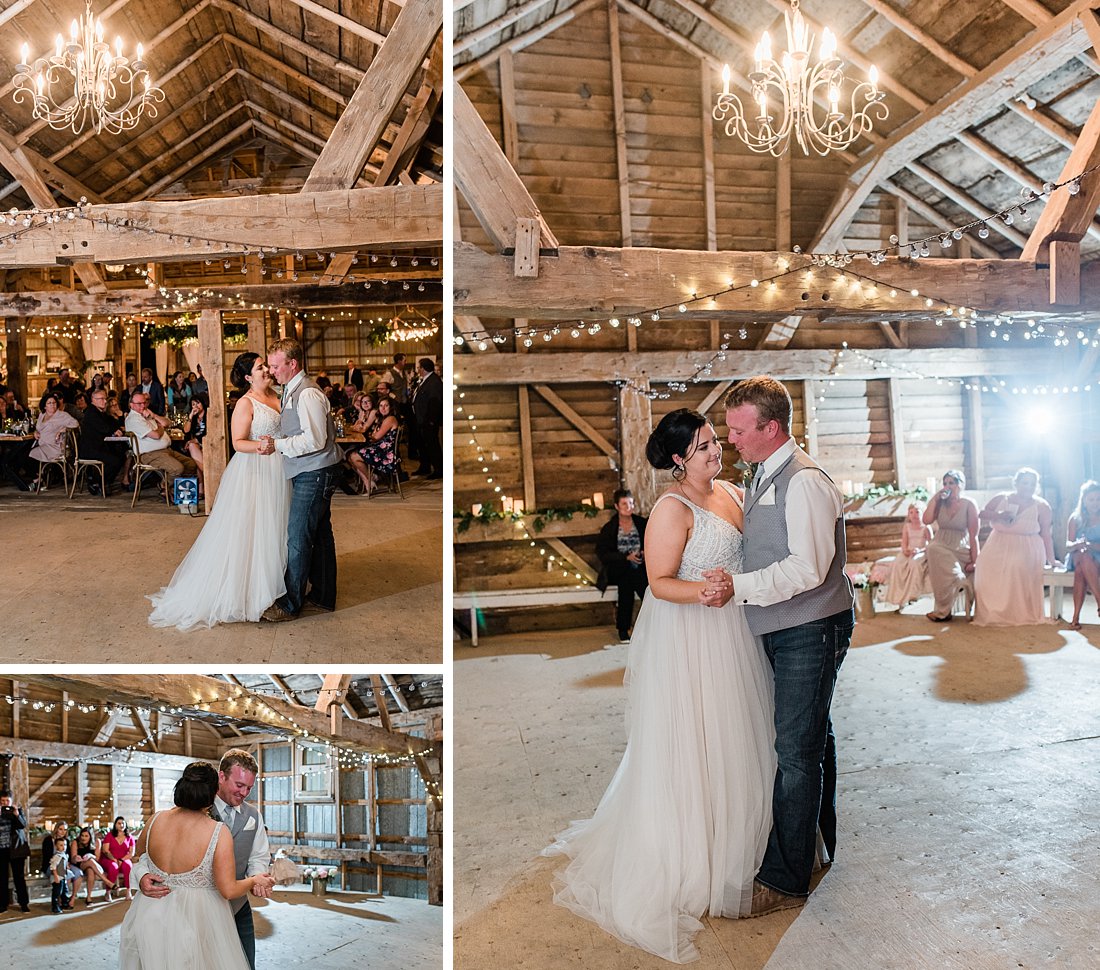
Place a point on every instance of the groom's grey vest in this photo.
(330, 453)
(242, 844)
(766, 543)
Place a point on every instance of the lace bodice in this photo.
(714, 543)
(201, 877)
(265, 421)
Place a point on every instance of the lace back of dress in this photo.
(201, 877)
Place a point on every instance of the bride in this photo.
(193, 854)
(684, 823)
(234, 571)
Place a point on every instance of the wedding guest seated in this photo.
(620, 547)
(78, 407)
(100, 424)
(124, 395)
(377, 457)
(116, 854)
(84, 853)
(1008, 576)
(98, 381)
(153, 439)
(155, 398)
(49, 433)
(14, 408)
(954, 547)
(194, 429)
(1083, 548)
(51, 385)
(909, 570)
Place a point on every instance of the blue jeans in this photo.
(311, 550)
(805, 660)
(247, 932)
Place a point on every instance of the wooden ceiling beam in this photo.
(314, 54)
(291, 296)
(395, 691)
(334, 689)
(128, 148)
(966, 202)
(263, 56)
(525, 39)
(377, 97)
(505, 20)
(287, 142)
(380, 702)
(584, 281)
(1032, 58)
(391, 216)
(671, 365)
(344, 23)
(273, 119)
(922, 37)
(487, 182)
(15, 159)
(1067, 217)
(208, 694)
(89, 754)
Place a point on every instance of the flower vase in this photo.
(865, 602)
(320, 887)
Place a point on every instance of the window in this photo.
(313, 772)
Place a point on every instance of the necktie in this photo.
(757, 479)
(227, 817)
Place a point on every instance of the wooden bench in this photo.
(500, 599)
(1054, 582)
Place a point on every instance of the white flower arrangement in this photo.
(318, 872)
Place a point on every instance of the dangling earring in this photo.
(679, 467)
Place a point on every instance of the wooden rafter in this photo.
(487, 182)
(392, 215)
(1033, 57)
(192, 691)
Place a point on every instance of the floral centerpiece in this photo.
(864, 584)
(319, 876)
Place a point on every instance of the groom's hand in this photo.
(262, 885)
(153, 887)
(267, 445)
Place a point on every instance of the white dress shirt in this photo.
(142, 426)
(813, 506)
(313, 409)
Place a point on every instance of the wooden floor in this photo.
(74, 576)
(970, 782)
(339, 931)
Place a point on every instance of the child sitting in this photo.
(909, 576)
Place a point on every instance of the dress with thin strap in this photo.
(234, 570)
(682, 827)
(191, 928)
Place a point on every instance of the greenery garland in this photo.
(562, 513)
(185, 329)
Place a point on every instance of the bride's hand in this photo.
(262, 885)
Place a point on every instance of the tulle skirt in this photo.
(682, 827)
(234, 571)
(189, 929)
(1008, 580)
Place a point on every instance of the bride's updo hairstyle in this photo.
(197, 786)
(242, 368)
(673, 436)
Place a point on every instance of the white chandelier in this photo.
(82, 82)
(795, 82)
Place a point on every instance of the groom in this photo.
(312, 460)
(799, 601)
(236, 776)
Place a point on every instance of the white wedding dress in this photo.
(234, 571)
(191, 928)
(682, 827)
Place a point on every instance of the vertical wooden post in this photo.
(19, 780)
(897, 432)
(973, 425)
(81, 771)
(809, 417)
(17, 360)
(783, 203)
(257, 330)
(707, 94)
(619, 112)
(64, 717)
(901, 221)
(527, 450)
(635, 425)
(215, 445)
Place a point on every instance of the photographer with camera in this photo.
(14, 850)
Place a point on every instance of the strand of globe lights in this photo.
(946, 238)
(32, 220)
(517, 514)
(350, 758)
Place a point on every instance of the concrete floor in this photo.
(339, 931)
(970, 763)
(75, 574)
